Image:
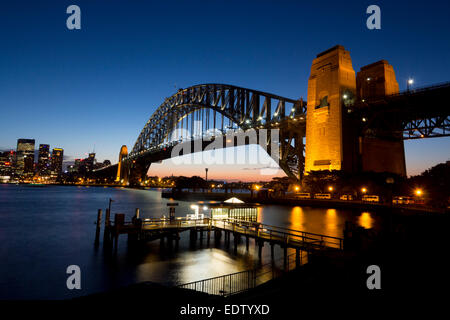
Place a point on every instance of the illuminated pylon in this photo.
(122, 154)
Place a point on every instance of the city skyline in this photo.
(98, 86)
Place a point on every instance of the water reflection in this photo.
(56, 229)
(365, 220)
(297, 219)
(331, 223)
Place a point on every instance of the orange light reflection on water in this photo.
(365, 220)
(297, 219)
(331, 222)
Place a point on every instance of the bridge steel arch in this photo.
(245, 108)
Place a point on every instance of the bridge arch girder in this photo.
(245, 107)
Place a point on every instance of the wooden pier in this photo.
(141, 230)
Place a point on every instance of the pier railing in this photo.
(285, 235)
(225, 285)
(150, 223)
(242, 281)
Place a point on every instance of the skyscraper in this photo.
(43, 166)
(7, 165)
(57, 161)
(25, 156)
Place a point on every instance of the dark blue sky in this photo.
(99, 85)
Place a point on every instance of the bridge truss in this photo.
(413, 114)
(211, 111)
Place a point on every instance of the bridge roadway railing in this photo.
(284, 236)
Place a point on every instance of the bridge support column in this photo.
(285, 257)
(247, 242)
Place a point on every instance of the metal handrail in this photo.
(271, 231)
(220, 283)
(251, 228)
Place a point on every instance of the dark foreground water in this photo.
(43, 230)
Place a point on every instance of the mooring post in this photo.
(137, 213)
(106, 232)
(97, 229)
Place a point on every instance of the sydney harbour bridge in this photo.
(350, 122)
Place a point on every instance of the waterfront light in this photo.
(257, 187)
(409, 83)
(297, 188)
(330, 188)
(418, 192)
(363, 190)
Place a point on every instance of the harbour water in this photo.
(43, 230)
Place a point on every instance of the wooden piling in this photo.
(236, 241)
(297, 257)
(97, 229)
(260, 246)
(107, 231)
